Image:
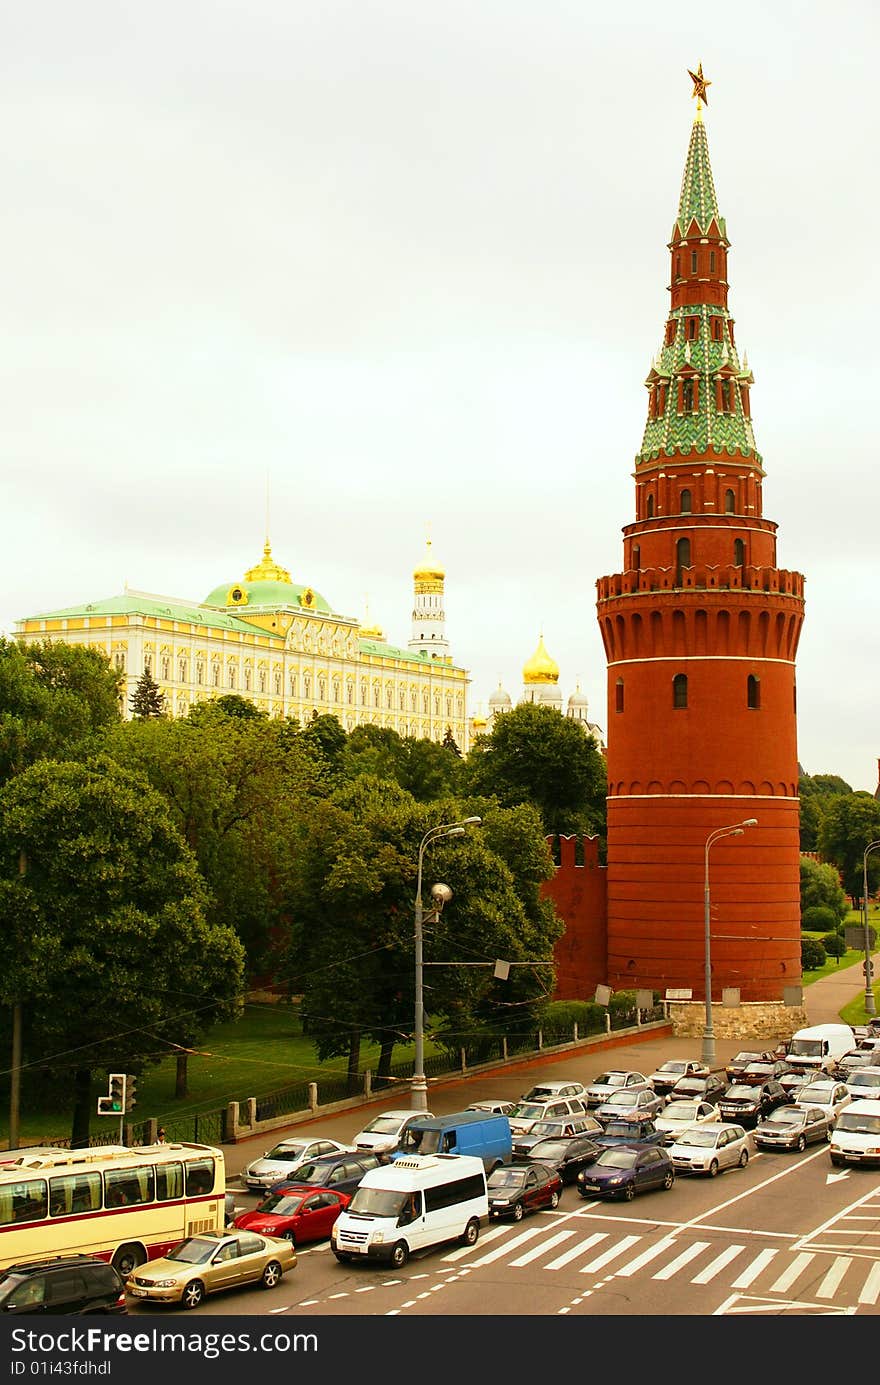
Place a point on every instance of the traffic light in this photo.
(130, 1088)
(114, 1103)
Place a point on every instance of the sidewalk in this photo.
(825, 998)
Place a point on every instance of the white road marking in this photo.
(508, 1245)
(871, 1287)
(541, 1249)
(796, 1268)
(645, 1258)
(829, 1284)
(717, 1265)
(611, 1254)
(690, 1253)
(580, 1249)
(750, 1274)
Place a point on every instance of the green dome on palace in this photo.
(267, 584)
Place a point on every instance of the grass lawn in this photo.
(257, 1054)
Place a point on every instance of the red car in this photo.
(296, 1214)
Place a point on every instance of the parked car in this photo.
(632, 1101)
(295, 1214)
(741, 1060)
(384, 1132)
(338, 1172)
(792, 1082)
(668, 1073)
(492, 1108)
(555, 1129)
(848, 1062)
(642, 1131)
(855, 1138)
(680, 1115)
(69, 1284)
(794, 1127)
(280, 1161)
(516, 1189)
(710, 1148)
(525, 1113)
(826, 1092)
(543, 1091)
(762, 1072)
(710, 1088)
(747, 1103)
(208, 1263)
(625, 1170)
(611, 1082)
(567, 1155)
(863, 1084)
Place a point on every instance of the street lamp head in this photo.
(472, 820)
(750, 822)
(441, 894)
(454, 832)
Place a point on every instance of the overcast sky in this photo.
(406, 265)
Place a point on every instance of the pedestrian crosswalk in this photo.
(785, 1270)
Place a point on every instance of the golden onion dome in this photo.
(429, 570)
(480, 723)
(541, 668)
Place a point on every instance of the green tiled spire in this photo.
(698, 198)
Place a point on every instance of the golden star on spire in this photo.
(700, 85)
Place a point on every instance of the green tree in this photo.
(147, 701)
(234, 705)
(449, 742)
(850, 823)
(816, 792)
(534, 755)
(820, 885)
(104, 937)
(54, 701)
(426, 769)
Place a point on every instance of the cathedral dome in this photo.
(577, 699)
(266, 584)
(428, 570)
(500, 700)
(541, 668)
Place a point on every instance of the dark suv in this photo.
(62, 1284)
(341, 1172)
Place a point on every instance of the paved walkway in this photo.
(825, 998)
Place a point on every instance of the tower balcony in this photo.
(771, 580)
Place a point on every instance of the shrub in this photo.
(819, 918)
(812, 954)
(834, 945)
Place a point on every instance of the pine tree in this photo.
(449, 742)
(146, 700)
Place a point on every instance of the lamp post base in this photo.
(708, 1051)
(870, 1002)
(419, 1094)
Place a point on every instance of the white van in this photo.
(419, 1201)
(820, 1046)
(855, 1138)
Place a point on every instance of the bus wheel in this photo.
(127, 1259)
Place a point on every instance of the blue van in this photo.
(487, 1137)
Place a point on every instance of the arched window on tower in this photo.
(682, 558)
(679, 691)
(684, 502)
(726, 397)
(687, 396)
(739, 552)
(729, 503)
(650, 507)
(753, 693)
(711, 261)
(618, 695)
(637, 557)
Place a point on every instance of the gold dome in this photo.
(541, 668)
(429, 570)
(267, 570)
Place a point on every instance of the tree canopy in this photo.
(54, 700)
(820, 886)
(849, 824)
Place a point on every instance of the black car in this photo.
(630, 1132)
(341, 1172)
(62, 1284)
(710, 1089)
(567, 1155)
(747, 1103)
(763, 1071)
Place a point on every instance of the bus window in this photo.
(199, 1177)
(23, 1201)
(76, 1192)
(128, 1187)
(169, 1181)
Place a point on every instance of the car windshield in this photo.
(816, 1093)
(672, 1066)
(314, 1172)
(547, 1128)
(626, 1129)
(699, 1136)
(550, 1149)
(378, 1202)
(624, 1099)
(785, 1118)
(192, 1251)
(618, 1158)
(858, 1125)
(865, 1079)
(281, 1204)
(738, 1092)
(760, 1068)
(382, 1125)
(611, 1079)
(287, 1153)
(680, 1111)
(506, 1178)
(742, 1058)
(806, 1048)
(527, 1110)
(690, 1084)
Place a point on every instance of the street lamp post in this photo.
(419, 1086)
(736, 830)
(870, 1003)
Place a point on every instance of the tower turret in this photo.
(429, 617)
(700, 631)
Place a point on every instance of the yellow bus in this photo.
(124, 1205)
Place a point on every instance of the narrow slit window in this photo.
(739, 552)
(618, 695)
(693, 262)
(753, 693)
(684, 502)
(650, 507)
(729, 503)
(680, 691)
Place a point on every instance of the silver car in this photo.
(615, 1080)
(284, 1159)
(710, 1148)
(632, 1103)
(794, 1127)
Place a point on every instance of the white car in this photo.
(284, 1159)
(710, 1148)
(384, 1132)
(832, 1096)
(543, 1091)
(682, 1115)
(525, 1113)
(615, 1080)
(668, 1073)
(492, 1108)
(863, 1084)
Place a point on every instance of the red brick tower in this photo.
(700, 630)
